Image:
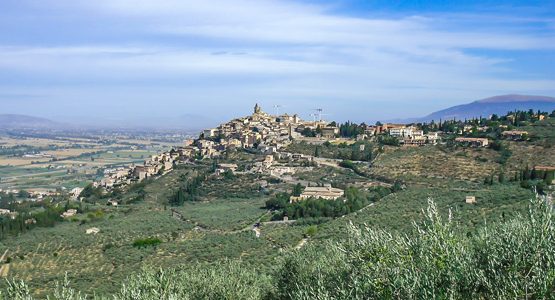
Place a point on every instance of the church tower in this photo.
(257, 109)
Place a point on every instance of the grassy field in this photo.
(224, 214)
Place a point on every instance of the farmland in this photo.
(41, 164)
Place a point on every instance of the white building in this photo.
(324, 192)
(401, 131)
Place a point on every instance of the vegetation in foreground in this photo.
(509, 260)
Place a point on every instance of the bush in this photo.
(513, 260)
(226, 280)
(140, 243)
(311, 231)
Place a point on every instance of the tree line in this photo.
(188, 189)
(353, 200)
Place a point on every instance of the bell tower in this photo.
(257, 109)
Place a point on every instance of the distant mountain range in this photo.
(494, 105)
(12, 121)
(25, 122)
(499, 105)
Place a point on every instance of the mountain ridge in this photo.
(511, 98)
(18, 121)
(485, 107)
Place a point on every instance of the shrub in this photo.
(140, 243)
(513, 260)
(225, 280)
(311, 231)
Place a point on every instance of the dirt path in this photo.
(301, 243)
(5, 269)
(199, 227)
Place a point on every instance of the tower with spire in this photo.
(257, 109)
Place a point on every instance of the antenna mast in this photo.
(277, 107)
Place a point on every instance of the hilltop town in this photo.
(279, 139)
(272, 134)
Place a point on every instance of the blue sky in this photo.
(195, 63)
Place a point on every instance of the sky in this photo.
(195, 63)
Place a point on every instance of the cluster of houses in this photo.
(472, 142)
(6, 212)
(37, 195)
(515, 135)
(410, 135)
(155, 165)
(268, 134)
(260, 130)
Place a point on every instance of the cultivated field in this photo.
(68, 162)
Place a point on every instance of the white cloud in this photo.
(279, 50)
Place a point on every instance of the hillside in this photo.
(218, 227)
(12, 121)
(212, 215)
(494, 105)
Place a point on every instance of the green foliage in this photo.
(509, 260)
(317, 151)
(146, 242)
(189, 189)
(347, 164)
(504, 152)
(351, 130)
(178, 198)
(311, 230)
(23, 194)
(512, 260)
(224, 214)
(280, 201)
(534, 179)
(48, 217)
(388, 140)
(297, 190)
(336, 151)
(95, 215)
(308, 132)
(226, 280)
(353, 200)
(228, 175)
(91, 191)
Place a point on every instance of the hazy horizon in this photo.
(148, 63)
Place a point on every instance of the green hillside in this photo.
(213, 230)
